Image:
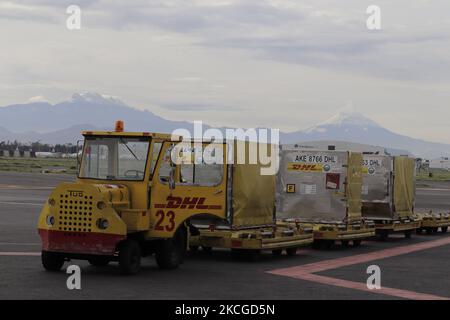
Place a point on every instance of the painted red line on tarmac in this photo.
(363, 287)
(20, 253)
(306, 272)
(361, 258)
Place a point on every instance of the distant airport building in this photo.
(440, 163)
(345, 146)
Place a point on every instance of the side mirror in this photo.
(79, 151)
(172, 178)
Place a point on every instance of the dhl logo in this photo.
(187, 203)
(305, 167)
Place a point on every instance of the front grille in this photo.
(74, 213)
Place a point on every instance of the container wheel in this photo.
(383, 235)
(328, 244)
(356, 243)
(344, 243)
(193, 248)
(291, 251)
(129, 257)
(207, 249)
(52, 261)
(444, 229)
(277, 252)
(408, 234)
(170, 252)
(99, 261)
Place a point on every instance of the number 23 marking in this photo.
(161, 215)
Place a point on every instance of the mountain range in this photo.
(62, 123)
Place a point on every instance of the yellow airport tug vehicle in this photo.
(251, 225)
(132, 199)
(388, 194)
(322, 190)
(431, 222)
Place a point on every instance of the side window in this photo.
(165, 167)
(205, 171)
(155, 154)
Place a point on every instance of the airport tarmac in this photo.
(410, 268)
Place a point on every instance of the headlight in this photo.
(50, 220)
(101, 205)
(102, 223)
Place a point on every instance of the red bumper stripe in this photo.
(80, 242)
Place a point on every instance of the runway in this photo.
(414, 268)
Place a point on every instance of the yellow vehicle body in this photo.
(253, 239)
(431, 222)
(131, 199)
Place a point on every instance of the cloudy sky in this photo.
(280, 63)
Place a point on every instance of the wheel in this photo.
(291, 251)
(444, 229)
(207, 249)
(277, 252)
(129, 257)
(383, 235)
(344, 243)
(170, 252)
(99, 261)
(435, 230)
(408, 234)
(429, 230)
(328, 244)
(356, 243)
(52, 261)
(419, 230)
(317, 244)
(193, 248)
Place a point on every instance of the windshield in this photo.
(114, 158)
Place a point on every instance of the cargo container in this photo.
(388, 193)
(322, 190)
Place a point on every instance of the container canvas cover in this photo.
(404, 186)
(377, 187)
(253, 193)
(311, 185)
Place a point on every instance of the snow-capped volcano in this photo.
(344, 119)
(355, 127)
(95, 98)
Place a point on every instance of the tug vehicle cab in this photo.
(131, 200)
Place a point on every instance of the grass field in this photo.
(436, 175)
(42, 165)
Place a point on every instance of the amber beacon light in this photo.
(119, 126)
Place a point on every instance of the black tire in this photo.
(170, 252)
(129, 257)
(444, 229)
(99, 261)
(429, 231)
(328, 244)
(193, 248)
(345, 243)
(317, 244)
(356, 243)
(52, 261)
(252, 255)
(207, 249)
(277, 252)
(435, 230)
(408, 234)
(291, 251)
(383, 235)
(419, 230)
